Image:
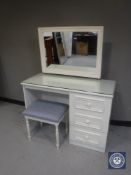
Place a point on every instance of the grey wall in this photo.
(19, 51)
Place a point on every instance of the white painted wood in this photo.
(90, 103)
(57, 137)
(41, 124)
(72, 70)
(92, 119)
(29, 96)
(56, 124)
(88, 146)
(67, 125)
(88, 137)
(28, 128)
(71, 84)
(86, 121)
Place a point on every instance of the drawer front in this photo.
(88, 102)
(89, 146)
(87, 137)
(88, 122)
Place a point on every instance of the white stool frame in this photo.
(27, 118)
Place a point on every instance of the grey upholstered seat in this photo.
(50, 111)
(47, 112)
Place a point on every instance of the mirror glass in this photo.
(71, 48)
(73, 51)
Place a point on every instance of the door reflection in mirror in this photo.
(71, 48)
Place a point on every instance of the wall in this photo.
(19, 51)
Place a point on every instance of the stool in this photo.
(46, 112)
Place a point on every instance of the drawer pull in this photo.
(89, 104)
(81, 123)
(87, 121)
(79, 138)
(79, 130)
(86, 137)
(95, 127)
(92, 141)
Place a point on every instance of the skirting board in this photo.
(9, 100)
(120, 123)
(112, 122)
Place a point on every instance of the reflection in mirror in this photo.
(71, 48)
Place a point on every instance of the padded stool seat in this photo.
(50, 111)
(46, 112)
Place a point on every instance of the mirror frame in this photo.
(72, 70)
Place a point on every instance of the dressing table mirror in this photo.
(75, 51)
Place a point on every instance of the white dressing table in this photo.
(89, 100)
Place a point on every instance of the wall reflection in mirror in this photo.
(71, 48)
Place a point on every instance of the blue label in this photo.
(117, 160)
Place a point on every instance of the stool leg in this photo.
(66, 125)
(28, 129)
(41, 124)
(57, 137)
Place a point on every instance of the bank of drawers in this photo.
(89, 120)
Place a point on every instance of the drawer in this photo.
(88, 102)
(88, 137)
(88, 122)
(74, 111)
(89, 146)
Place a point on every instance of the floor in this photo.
(40, 157)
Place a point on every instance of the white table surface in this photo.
(105, 87)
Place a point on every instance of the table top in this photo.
(105, 87)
